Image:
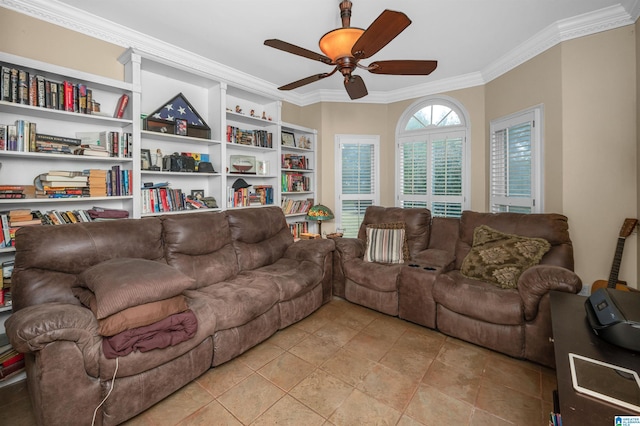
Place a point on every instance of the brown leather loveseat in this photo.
(430, 288)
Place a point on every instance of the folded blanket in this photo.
(167, 332)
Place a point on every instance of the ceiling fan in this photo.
(345, 47)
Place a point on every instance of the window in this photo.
(515, 173)
(431, 157)
(357, 180)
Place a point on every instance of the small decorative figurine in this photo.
(238, 109)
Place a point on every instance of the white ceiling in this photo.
(473, 40)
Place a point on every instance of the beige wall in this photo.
(599, 164)
(35, 39)
(589, 88)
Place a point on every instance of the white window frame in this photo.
(346, 139)
(536, 201)
(429, 134)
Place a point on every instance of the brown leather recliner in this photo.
(517, 321)
(375, 285)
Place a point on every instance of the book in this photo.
(57, 139)
(69, 178)
(12, 370)
(121, 106)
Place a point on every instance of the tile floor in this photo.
(348, 365)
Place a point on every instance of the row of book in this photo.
(22, 136)
(295, 182)
(260, 195)
(11, 362)
(291, 206)
(163, 199)
(28, 88)
(295, 162)
(11, 221)
(260, 138)
(5, 288)
(298, 228)
(76, 184)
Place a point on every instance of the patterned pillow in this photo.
(500, 258)
(386, 243)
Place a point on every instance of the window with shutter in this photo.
(431, 157)
(514, 163)
(357, 180)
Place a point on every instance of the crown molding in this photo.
(578, 26)
(94, 26)
(114, 33)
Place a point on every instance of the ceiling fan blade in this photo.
(296, 50)
(355, 87)
(408, 67)
(304, 81)
(385, 28)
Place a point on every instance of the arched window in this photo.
(432, 157)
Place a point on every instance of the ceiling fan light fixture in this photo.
(338, 43)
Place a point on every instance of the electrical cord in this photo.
(113, 380)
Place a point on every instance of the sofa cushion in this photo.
(292, 277)
(260, 235)
(199, 245)
(238, 301)
(375, 276)
(125, 282)
(500, 258)
(386, 243)
(478, 299)
(417, 224)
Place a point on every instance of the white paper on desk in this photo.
(611, 383)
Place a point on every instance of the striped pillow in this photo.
(386, 243)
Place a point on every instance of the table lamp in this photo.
(319, 213)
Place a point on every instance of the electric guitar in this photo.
(627, 228)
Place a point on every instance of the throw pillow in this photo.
(500, 258)
(386, 243)
(121, 283)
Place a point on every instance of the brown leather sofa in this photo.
(429, 289)
(246, 278)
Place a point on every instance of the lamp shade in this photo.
(319, 213)
(338, 43)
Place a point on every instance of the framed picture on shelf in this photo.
(288, 139)
(181, 127)
(197, 194)
(242, 164)
(145, 159)
(304, 143)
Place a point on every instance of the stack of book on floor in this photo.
(60, 184)
(97, 183)
(11, 362)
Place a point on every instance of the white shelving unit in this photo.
(301, 192)
(22, 167)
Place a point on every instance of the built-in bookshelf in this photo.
(243, 142)
(46, 113)
(298, 175)
(251, 148)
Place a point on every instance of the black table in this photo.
(572, 334)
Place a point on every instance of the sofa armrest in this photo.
(350, 248)
(538, 280)
(34, 327)
(314, 250)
